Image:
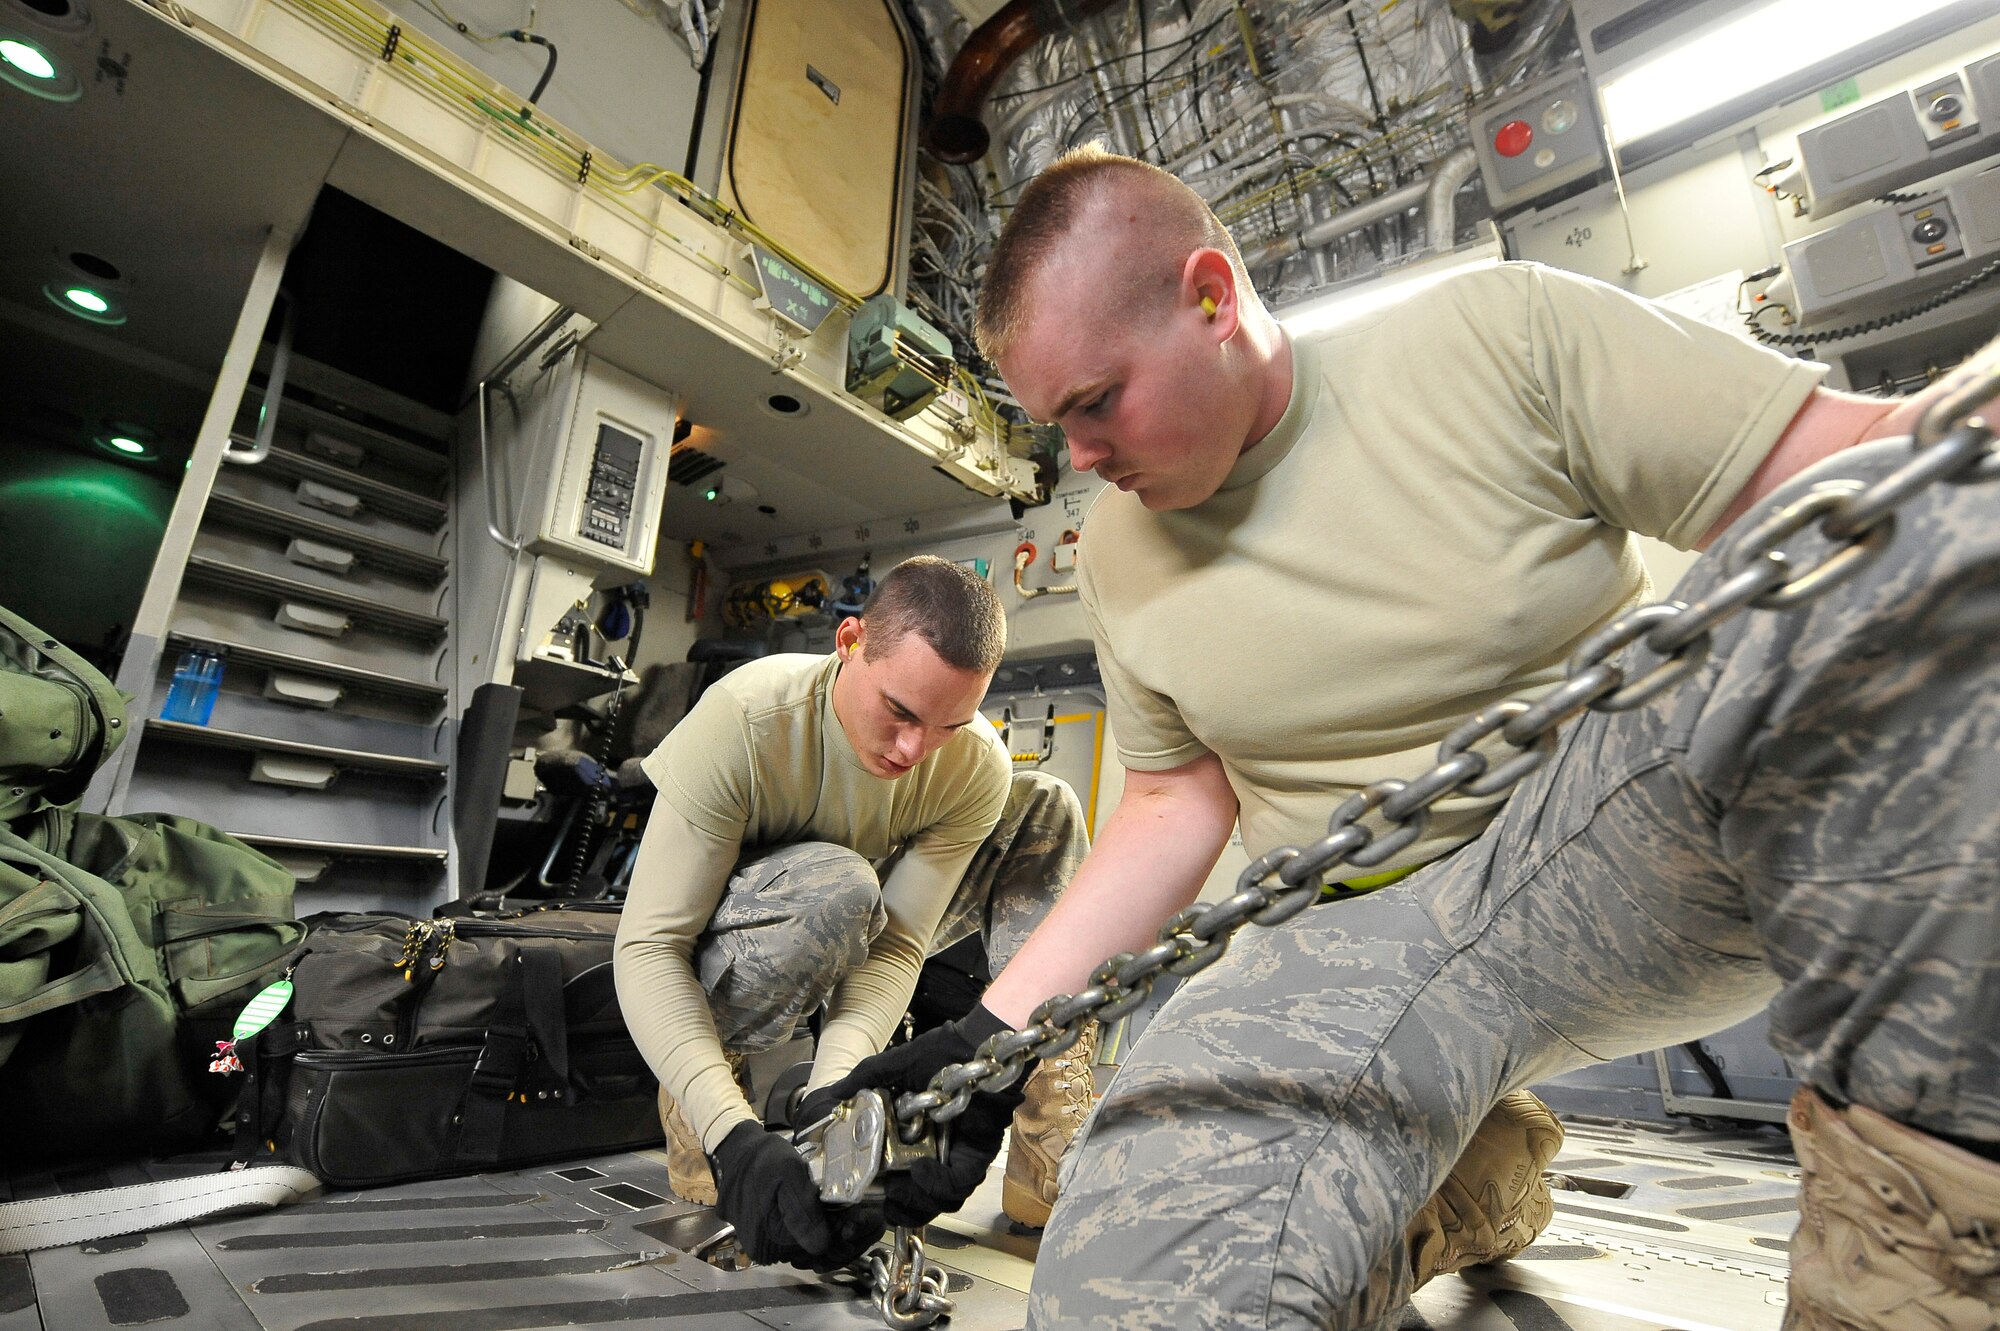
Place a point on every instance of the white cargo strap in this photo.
(78, 1217)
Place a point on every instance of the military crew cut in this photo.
(949, 607)
(1062, 199)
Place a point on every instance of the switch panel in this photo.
(598, 474)
(1900, 140)
(614, 479)
(1538, 139)
(1895, 256)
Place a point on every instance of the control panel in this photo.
(1539, 139)
(614, 479)
(1908, 137)
(598, 473)
(1893, 256)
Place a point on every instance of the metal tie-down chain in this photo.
(1858, 521)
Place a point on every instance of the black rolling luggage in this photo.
(423, 1048)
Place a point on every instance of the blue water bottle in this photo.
(197, 679)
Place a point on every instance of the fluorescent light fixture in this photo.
(1345, 304)
(27, 58)
(1752, 51)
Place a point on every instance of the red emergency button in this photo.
(1512, 139)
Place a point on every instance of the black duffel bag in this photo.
(417, 1049)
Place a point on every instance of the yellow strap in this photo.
(1370, 882)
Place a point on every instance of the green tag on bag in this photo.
(262, 1010)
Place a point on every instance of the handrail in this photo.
(259, 448)
(489, 473)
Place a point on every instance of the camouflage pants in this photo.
(1811, 821)
(795, 920)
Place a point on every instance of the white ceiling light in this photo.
(1748, 52)
(1356, 299)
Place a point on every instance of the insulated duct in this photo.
(1434, 195)
(956, 133)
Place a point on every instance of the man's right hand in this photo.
(764, 1189)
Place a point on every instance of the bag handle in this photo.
(182, 923)
(528, 1023)
(31, 912)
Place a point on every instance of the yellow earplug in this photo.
(1208, 306)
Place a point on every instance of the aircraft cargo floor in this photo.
(1664, 1230)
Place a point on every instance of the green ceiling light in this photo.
(131, 442)
(28, 58)
(27, 65)
(86, 303)
(712, 494)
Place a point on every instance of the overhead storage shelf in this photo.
(662, 271)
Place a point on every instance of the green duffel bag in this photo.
(60, 719)
(116, 984)
(127, 945)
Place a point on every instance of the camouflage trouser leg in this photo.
(1812, 815)
(796, 920)
(1019, 872)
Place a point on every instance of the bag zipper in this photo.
(471, 928)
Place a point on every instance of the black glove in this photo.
(931, 1187)
(764, 1189)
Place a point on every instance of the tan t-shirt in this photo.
(761, 760)
(1443, 512)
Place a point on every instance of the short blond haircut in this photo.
(1059, 200)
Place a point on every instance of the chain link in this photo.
(1855, 522)
(908, 1291)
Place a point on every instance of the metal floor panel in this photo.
(1679, 1229)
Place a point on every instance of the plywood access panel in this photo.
(816, 156)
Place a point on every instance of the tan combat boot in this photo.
(1494, 1202)
(1898, 1231)
(687, 1164)
(1060, 1092)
